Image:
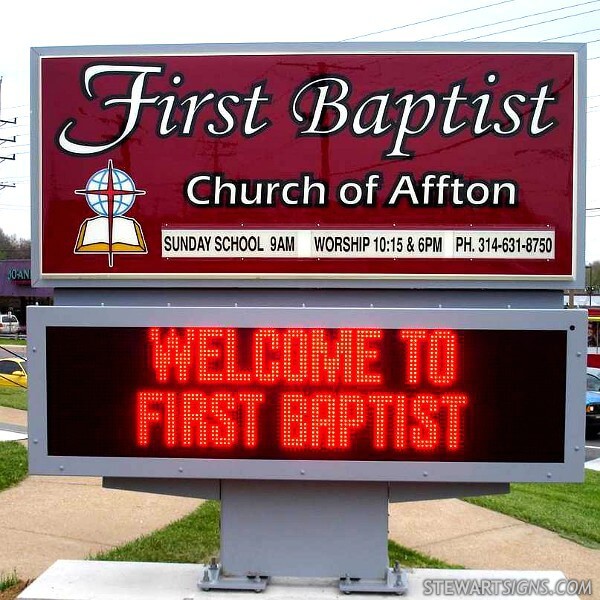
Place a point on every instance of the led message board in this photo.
(325, 163)
(452, 389)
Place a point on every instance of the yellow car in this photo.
(13, 372)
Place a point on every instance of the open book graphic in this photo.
(127, 236)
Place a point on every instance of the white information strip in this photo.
(353, 243)
(234, 243)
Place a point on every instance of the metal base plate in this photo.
(238, 584)
(213, 579)
(395, 582)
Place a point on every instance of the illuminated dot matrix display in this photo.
(309, 393)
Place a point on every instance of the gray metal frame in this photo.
(292, 281)
(574, 322)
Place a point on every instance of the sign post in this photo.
(310, 279)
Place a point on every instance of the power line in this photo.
(19, 118)
(560, 37)
(26, 112)
(14, 131)
(462, 12)
(13, 126)
(18, 123)
(11, 107)
(544, 12)
(587, 12)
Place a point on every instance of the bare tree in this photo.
(13, 247)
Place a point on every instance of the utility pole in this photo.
(5, 140)
(322, 70)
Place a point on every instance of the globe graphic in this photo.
(121, 183)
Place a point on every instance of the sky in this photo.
(35, 23)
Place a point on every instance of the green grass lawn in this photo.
(13, 464)
(13, 397)
(12, 342)
(411, 558)
(13, 469)
(192, 539)
(195, 539)
(570, 509)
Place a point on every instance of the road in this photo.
(592, 448)
(20, 350)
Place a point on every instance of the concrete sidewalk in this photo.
(13, 416)
(49, 518)
(477, 538)
(44, 519)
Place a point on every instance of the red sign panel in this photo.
(395, 165)
(310, 393)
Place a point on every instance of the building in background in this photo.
(16, 292)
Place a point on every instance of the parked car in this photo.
(13, 372)
(592, 402)
(9, 324)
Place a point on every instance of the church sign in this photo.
(272, 164)
(307, 393)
